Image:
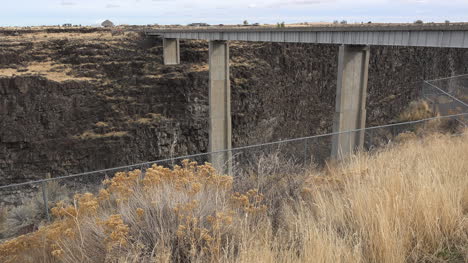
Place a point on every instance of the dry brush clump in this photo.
(416, 110)
(189, 213)
(405, 203)
(31, 215)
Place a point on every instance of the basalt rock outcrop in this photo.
(80, 101)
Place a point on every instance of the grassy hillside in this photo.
(406, 203)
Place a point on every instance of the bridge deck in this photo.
(430, 35)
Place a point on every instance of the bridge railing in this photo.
(32, 201)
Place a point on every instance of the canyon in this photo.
(82, 99)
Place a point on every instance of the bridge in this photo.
(353, 65)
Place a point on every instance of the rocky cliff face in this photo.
(86, 100)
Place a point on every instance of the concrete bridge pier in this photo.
(171, 51)
(350, 109)
(220, 106)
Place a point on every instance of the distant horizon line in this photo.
(239, 24)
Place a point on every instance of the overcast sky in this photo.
(92, 12)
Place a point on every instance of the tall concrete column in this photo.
(351, 91)
(171, 50)
(220, 106)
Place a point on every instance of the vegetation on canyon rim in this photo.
(405, 203)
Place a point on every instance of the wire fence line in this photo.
(446, 78)
(302, 151)
(133, 166)
(446, 93)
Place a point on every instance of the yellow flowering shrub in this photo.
(250, 202)
(140, 212)
(195, 230)
(122, 183)
(116, 230)
(47, 238)
(189, 176)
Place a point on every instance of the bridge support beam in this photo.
(351, 92)
(220, 106)
(171, 51)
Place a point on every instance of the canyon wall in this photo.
(80, 101)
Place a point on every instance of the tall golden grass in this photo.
(405, 203)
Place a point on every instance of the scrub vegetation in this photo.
(407, 202)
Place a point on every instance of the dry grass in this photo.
(55, 72)
(148, 119)
(87, 135)
(44, 36)
(199, 68)
(3, 219)
(417, 110)
(28, 217)
(52, 69)
(101, 124)
(405, 203)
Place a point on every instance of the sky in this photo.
(143, 12)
